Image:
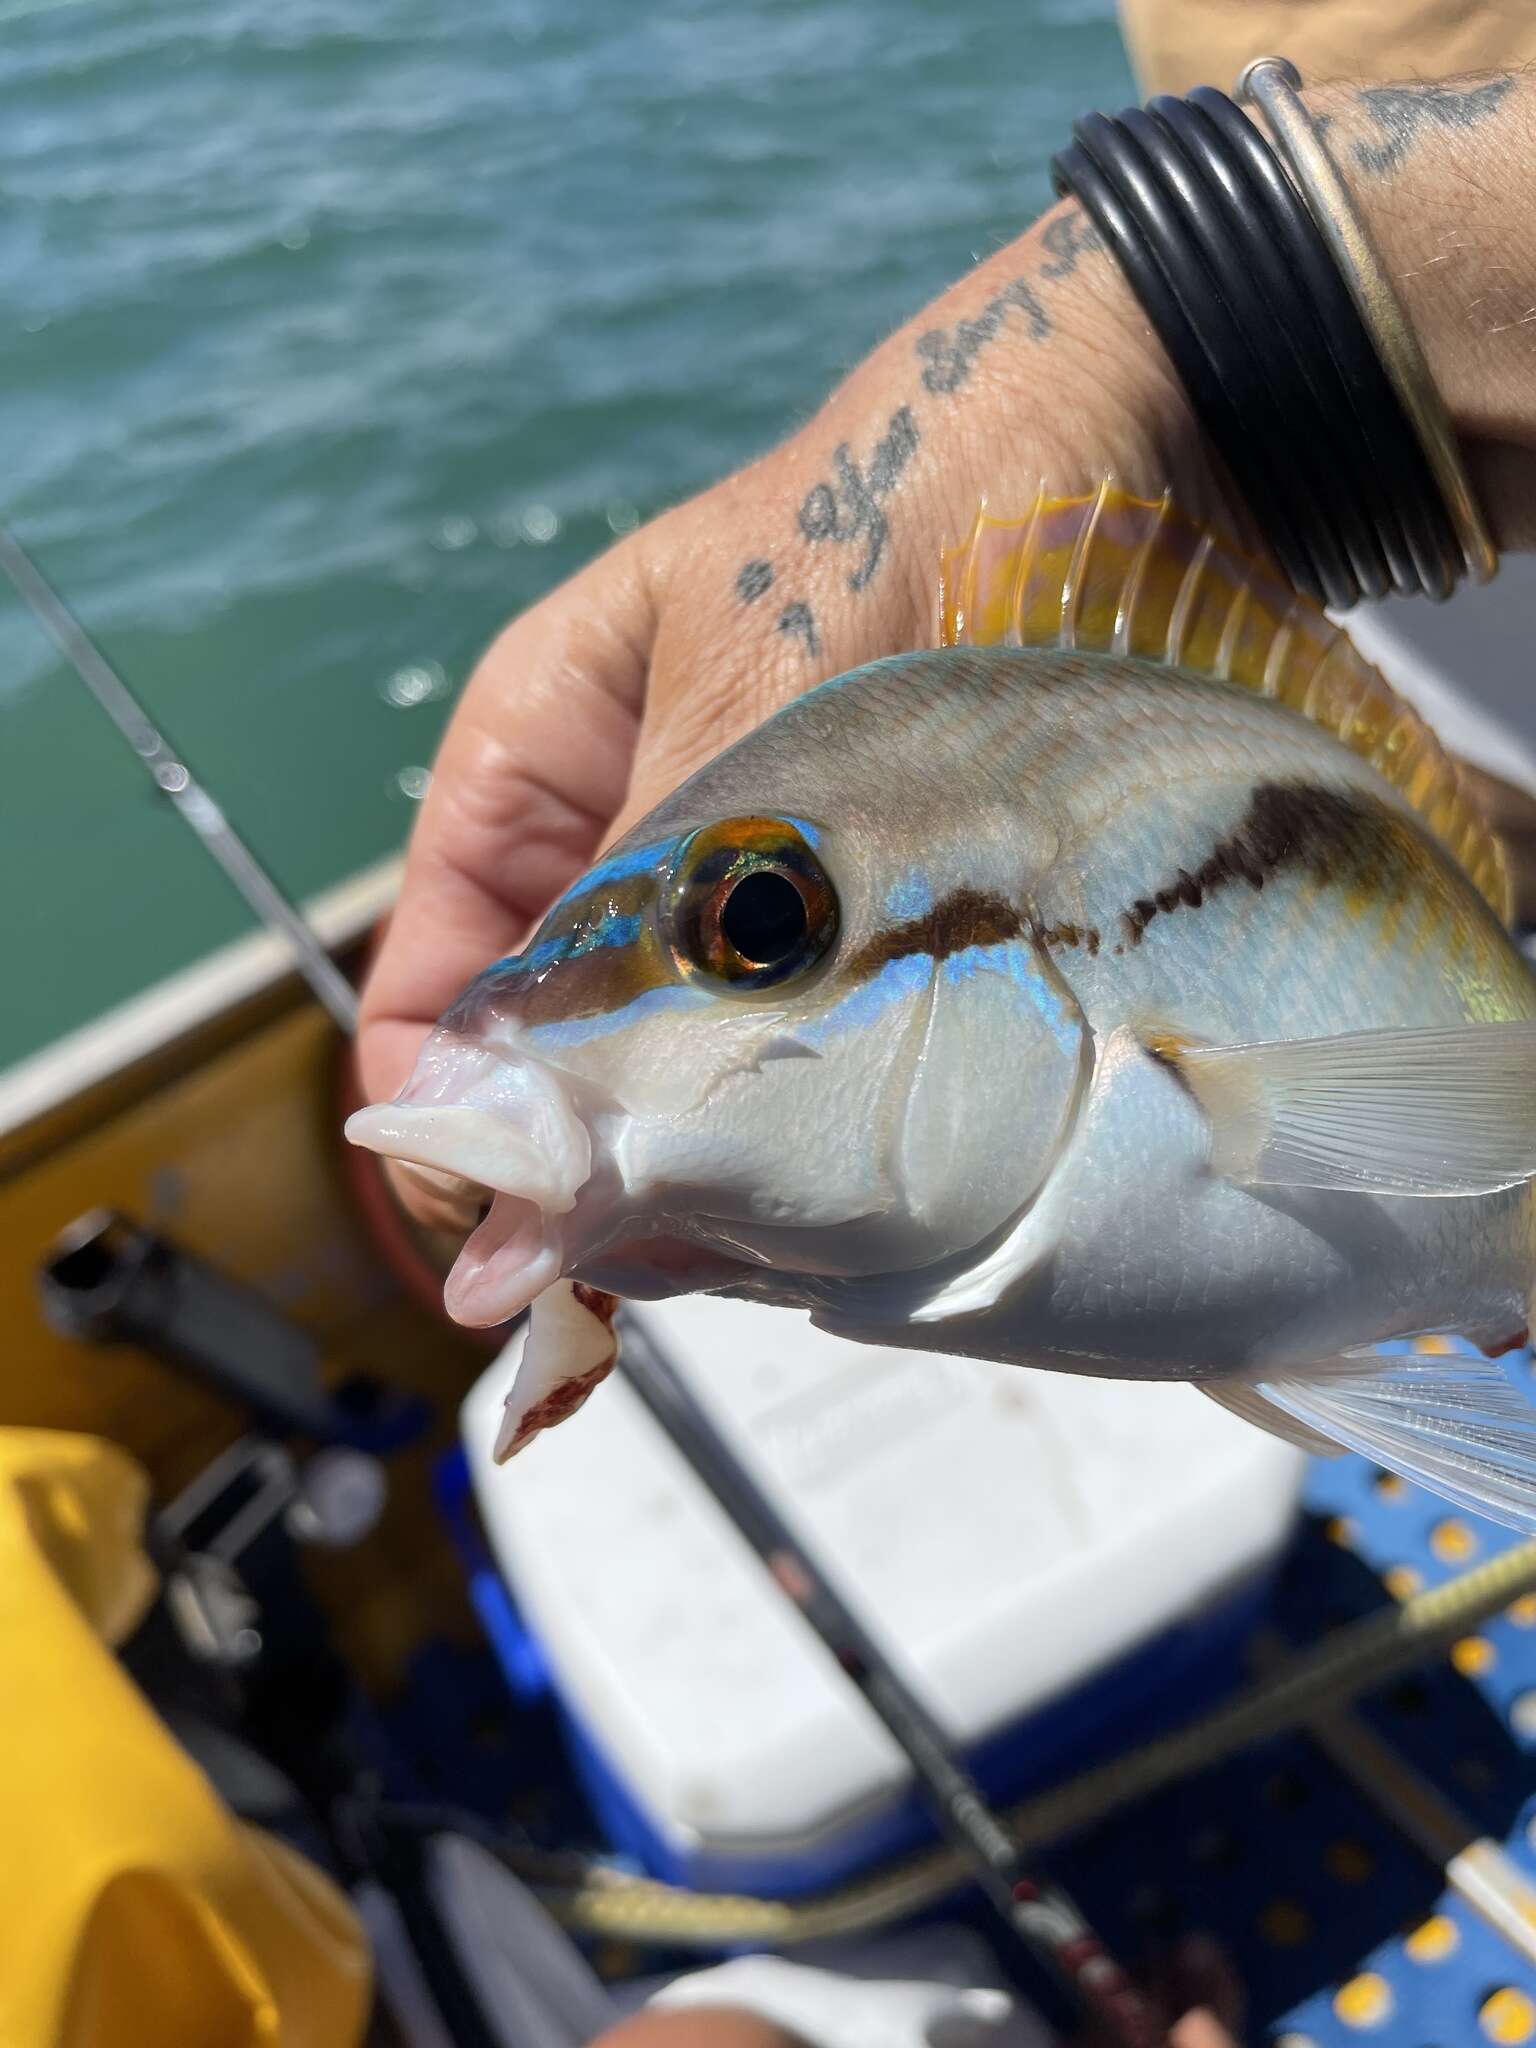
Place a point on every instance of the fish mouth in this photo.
(511, 1256)
(504, 1121)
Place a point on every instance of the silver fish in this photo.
(1125, 995)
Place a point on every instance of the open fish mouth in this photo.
(505, 1123)
(514, 1253)
(504, 1120)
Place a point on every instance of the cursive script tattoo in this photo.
(1401, 113)
(948, 353)
(798, 620)
(1068, 237)
(753, 579)
(849, 509)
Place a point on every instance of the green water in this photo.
(333, 332)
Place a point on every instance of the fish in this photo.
(1123, 986)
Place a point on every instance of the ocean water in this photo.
(334, 332)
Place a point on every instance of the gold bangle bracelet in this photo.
(1272, 84)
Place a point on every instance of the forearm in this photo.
(1037, 368)
(1040, 365)
(1445, 175)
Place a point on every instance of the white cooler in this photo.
(1053, 1563)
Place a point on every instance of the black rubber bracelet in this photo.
(1277, 321)
(1369, 519)
(1433, 558)
(1261, 379)
(1121, 207)
(1241, 288)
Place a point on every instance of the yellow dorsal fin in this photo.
(1113, 574)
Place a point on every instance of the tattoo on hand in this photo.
(797, 619)
(1402, 113)
(1068, 237)
(850, 508)
(949, 353)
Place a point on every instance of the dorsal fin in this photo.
(1113, 574)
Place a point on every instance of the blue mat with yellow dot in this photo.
(1332, 1899)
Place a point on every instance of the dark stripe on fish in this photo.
(1052, 936)
(591, 984)
(594, 953)
(1341, 838)
(965, 918)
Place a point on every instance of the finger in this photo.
(1201, 2030)
(1206, 1983)
(530, 772)
(441, 1201)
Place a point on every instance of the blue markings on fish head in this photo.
(1025, 967)
(595, 953)
(638, 862)
(865, 1005)
(909, 896)
(614, 927)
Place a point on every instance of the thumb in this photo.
(529, 775)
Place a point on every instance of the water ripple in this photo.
(338, 330)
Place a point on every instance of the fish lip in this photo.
(496, 1116)
(471, 1144)
(506, 1262)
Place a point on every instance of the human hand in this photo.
(1197, 1995)
(598, 701)
(1037, 365)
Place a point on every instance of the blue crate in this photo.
(1183, 1670)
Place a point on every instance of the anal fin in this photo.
(1453, 1423)
(1240, 1397)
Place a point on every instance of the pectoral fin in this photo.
(1454, 1424)
(1445, 1111)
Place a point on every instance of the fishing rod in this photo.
(175, 780)
(1036, 1913)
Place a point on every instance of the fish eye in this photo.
(750, 905)
(764, 917)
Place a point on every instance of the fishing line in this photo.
(174, 779)
(1309, 1686)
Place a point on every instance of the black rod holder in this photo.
(108, 1280)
